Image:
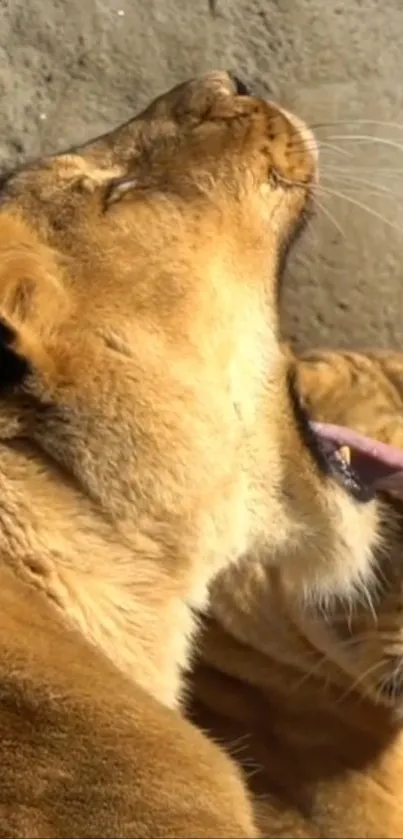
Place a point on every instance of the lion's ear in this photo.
(33, 301)
(14, 363)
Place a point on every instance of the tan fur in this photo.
(311, 704)
(149, 441)
(363, 389)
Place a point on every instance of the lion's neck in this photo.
(120, 594)
(145, 636)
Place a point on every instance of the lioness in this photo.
(150, 435)
(311, 703)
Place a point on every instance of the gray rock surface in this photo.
(70, 69)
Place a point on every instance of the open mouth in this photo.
(360, 464)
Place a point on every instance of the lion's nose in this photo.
(241, 89)
(301, 149)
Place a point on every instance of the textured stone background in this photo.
(73, 68)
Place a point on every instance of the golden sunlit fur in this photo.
(364, 390)
(309, 702)
(149, 438)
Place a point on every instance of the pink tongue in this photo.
(377, 464)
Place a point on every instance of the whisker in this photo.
(319, 145)
(323, 146)
(344, 645)
(309, 257)
(371, 170)
(330, 217)
(361, 678)
(352, 180)
(392, 682)
(359, 139)
(366, 138)
(312, 672)
(356, 203)
(358, 638)
(384, 124)
(366, 599)
(316, 144)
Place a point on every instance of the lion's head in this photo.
(150, 425)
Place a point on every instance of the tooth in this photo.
(345, 454)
